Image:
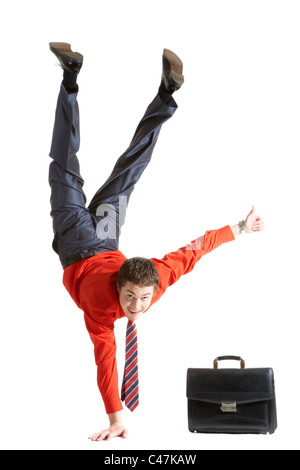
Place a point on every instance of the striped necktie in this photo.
(130, 386)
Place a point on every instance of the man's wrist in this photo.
(115, 418)
(242, 227)
(239, 228)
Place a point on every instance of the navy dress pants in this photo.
(81, 231)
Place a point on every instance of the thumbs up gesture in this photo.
(253, 222)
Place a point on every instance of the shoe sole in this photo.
(176, 66)
(63, 49)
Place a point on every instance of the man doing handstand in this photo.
(99, 278)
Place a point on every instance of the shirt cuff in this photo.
(226, 234)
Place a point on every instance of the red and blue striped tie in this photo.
(130, 385)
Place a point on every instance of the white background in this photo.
(233, 142)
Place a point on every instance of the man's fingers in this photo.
(257, 226)
(103, 436)
(99, 436)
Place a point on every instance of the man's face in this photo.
(135, 300)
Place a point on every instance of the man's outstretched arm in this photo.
(183, 261)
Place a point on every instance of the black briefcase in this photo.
(235, 401)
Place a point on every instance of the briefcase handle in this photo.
(229, 358)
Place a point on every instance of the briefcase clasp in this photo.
(228, 407)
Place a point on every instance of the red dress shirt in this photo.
(91, 283)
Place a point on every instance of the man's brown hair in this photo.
(139, 271)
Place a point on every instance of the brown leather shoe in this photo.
(69, 60)
(172, 77)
